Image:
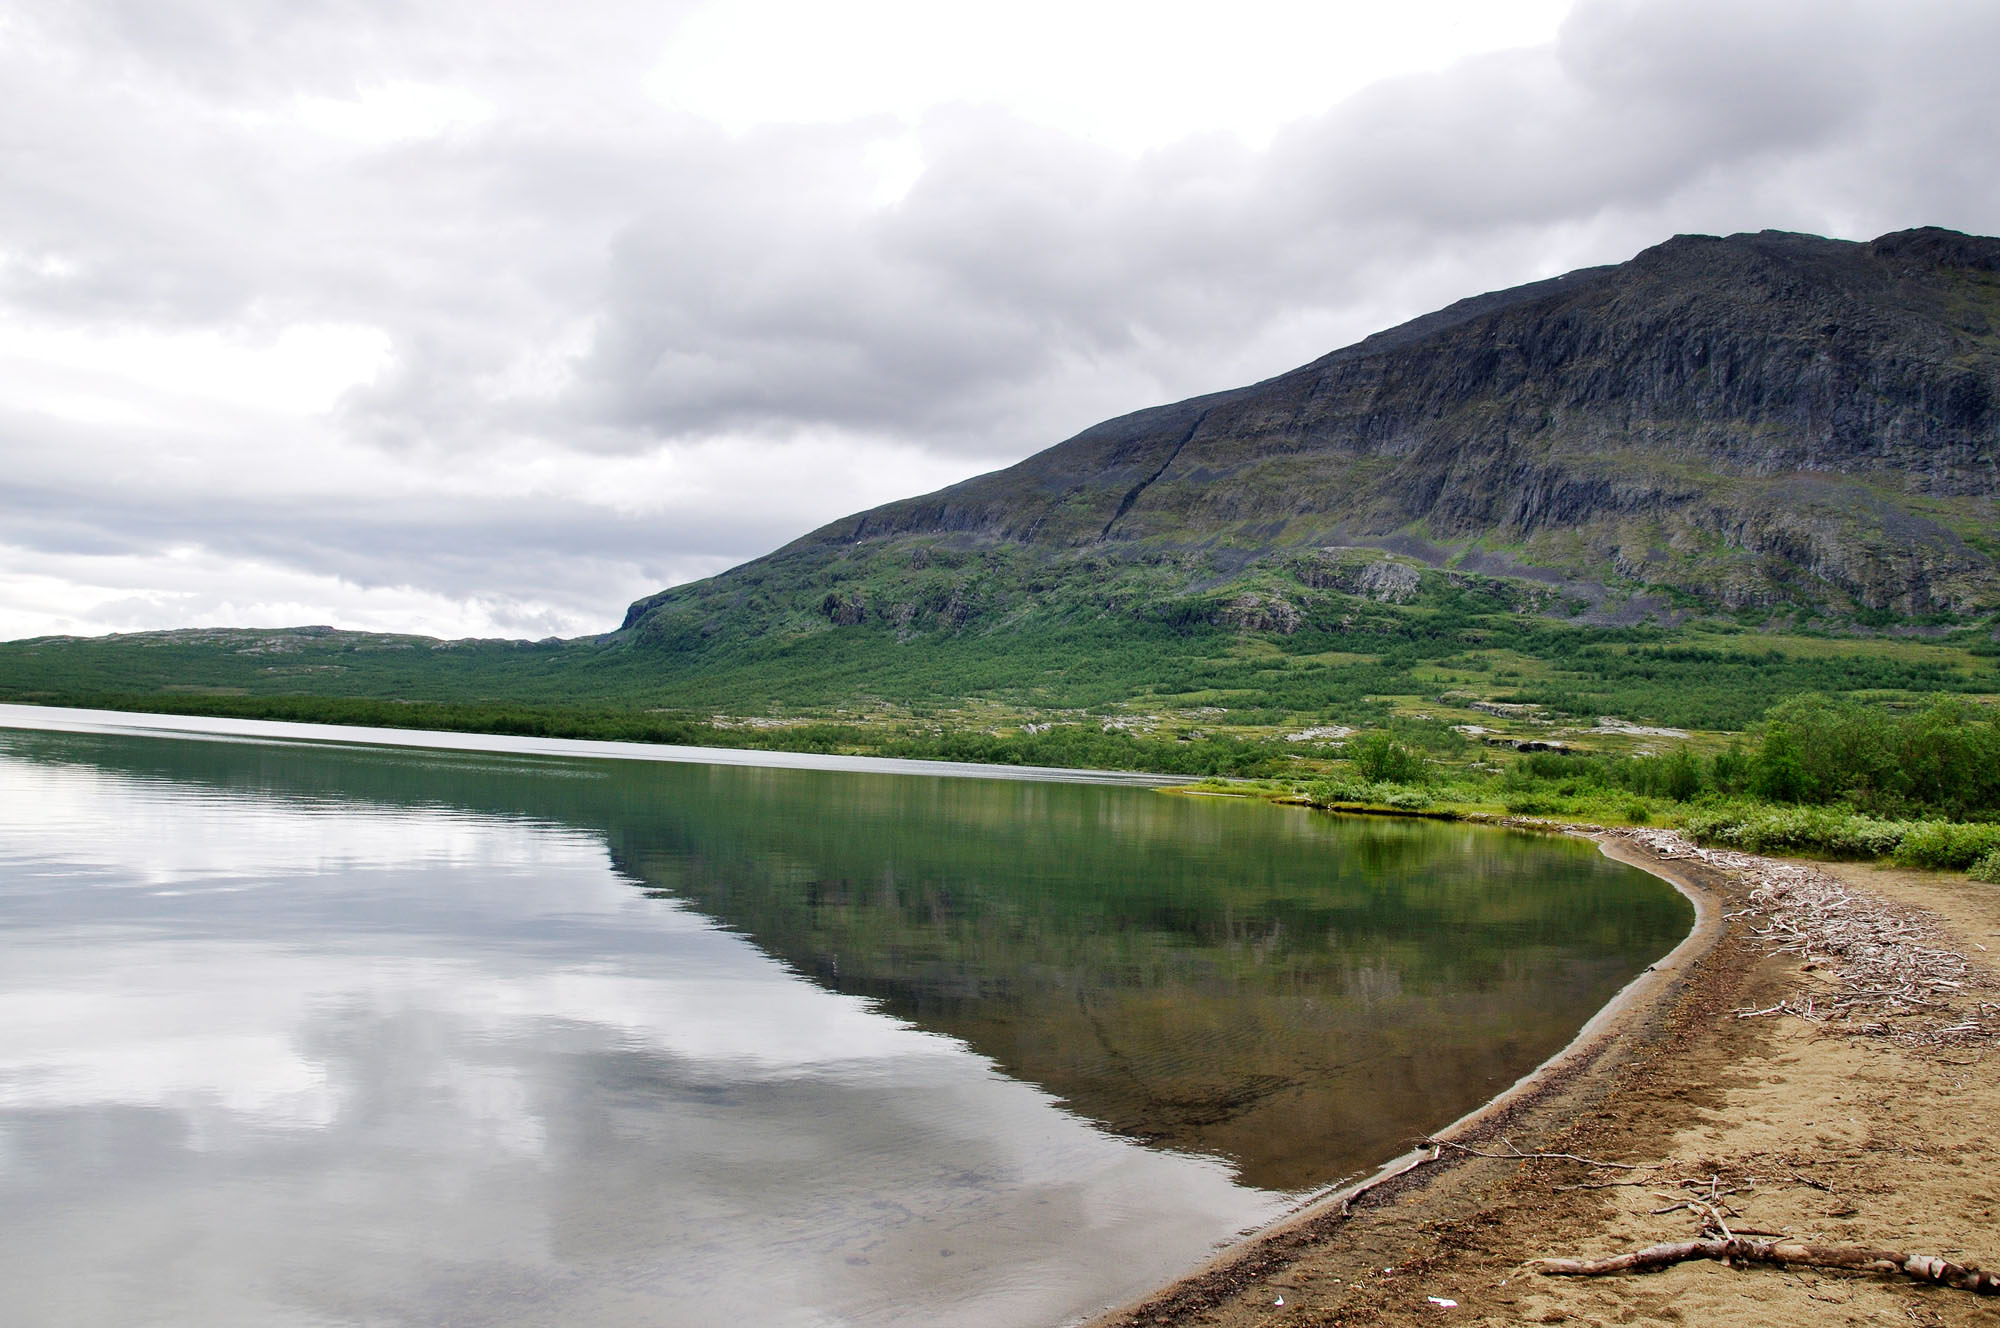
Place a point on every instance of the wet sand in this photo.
(1802, 1126)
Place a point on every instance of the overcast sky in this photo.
(485, 317)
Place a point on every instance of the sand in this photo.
(1805, 1127)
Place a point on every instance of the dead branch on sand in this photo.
(1782, 1253)
(1718, 1241)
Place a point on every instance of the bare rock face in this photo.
(1357, 573)
(1389, 583)
(1761, 419)
(845, 610)
(1261, 613)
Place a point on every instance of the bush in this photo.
(1329, 792)
(1381, 759)
(1529, 804)
(1729, 771)
(1987, 869)
(1944, 758)
(1680, 775)
(1677, 776)
(1829, 832)
(1950, 847)
(1822, 830)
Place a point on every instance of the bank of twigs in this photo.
(1882, 971)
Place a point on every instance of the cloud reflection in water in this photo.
(278, 1061)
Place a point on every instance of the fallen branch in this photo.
(1852, 1258)
(1347, 1202)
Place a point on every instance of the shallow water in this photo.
(311, 1033)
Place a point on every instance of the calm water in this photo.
(305, 1033)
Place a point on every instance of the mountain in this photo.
(1677, 489)
(1758, 425)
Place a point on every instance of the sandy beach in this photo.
(1843, 1092)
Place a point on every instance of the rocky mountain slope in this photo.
(1754, 425)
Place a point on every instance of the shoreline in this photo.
(1464, 1222)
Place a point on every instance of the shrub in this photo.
(1680, 775)
(1822, 830)
(1380, 758)
(1729, 771)
(1941, 844)
(1944, 758)
(1987, 868)
(1328, 792)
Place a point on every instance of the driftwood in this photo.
(1885, 971)
(1853, 1258)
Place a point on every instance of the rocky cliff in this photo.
(1758, 422)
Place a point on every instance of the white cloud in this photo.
(129, 375)
(1128, 74)
(393, 112)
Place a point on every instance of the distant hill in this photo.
(1766, 423)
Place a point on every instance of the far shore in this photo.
(1715, 1076)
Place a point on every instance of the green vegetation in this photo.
(1944, 758)
(1813, 782)
(1834, 833)
(1761, 828)
(1350, 661)
(1381, 759)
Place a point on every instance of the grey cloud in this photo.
(539, 559)
(552, 550)
(970, 317)
(232, 47)
(150, 153)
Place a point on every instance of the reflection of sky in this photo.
(270, 1062)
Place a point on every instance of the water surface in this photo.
(310, 1033)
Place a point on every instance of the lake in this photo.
(297, 1029)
